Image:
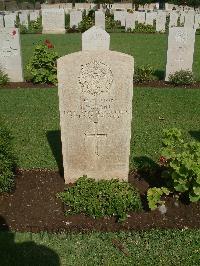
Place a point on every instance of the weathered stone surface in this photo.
(53, 21)
(23, 18)
(1, 22)
(75, 18)
(160, 21)
(130, 21)
(9, 20)
(180, 50)
(150, 17)
(140, 17)
(189, 20)
(34, 15)
(10, 54)
(100, 19)
(120, 16)
(95, 101)
(95, 39)
(173, 19)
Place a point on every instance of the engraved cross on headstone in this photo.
(96, 135)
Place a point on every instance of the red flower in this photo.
(14, 32)
(48, 44)
(163, 160)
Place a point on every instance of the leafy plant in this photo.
(7, 160)
(4, 79)
(142, 28)
(101, 198)
(35, 26)
(181, 169)
(182, 77)
(42, 65)
(86, 23)
(143, 74)
(154, 196)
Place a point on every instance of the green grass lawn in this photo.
(155, 247)
(145, 48)
(33, 117)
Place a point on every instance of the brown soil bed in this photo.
(153, 84)
(33, 207)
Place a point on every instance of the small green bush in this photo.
(181, 164)
(86, 23)
(35, 26)
(154, 196)
(7, 160)
(182, 77)
(101, 198)
(4, 79)
(142, 28)
(42, 65)
(143, 74)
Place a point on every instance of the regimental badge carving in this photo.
(181, 37)
(95, 78)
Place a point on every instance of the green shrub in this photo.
(182, 77)
(86, 23)
(4, 79)
(143, 74)
(35, 26)
(7, 160)
(154, 196)
(101, 198)
(181, 164)
(142, 28)
(42, 65)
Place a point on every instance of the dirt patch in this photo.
(33, 207)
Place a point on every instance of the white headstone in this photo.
(75, 18)
(34, 15)
(160, 21)
(140, 17)
(9, 20)
(180, 50)
(95, 39)
(173, 19)
(53, 21)
(150, 17)
(120, 16)
(95, 102)
(197, 21)
(10, 54)
(23, 18)
(100, 19)
(1, 22)
(189, 20)
(130, 21)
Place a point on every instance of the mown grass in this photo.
(145, 48)
(155, 247)
(33, 117)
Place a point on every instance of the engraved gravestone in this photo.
(95, 102)
(9, 20)
(100, 19)
(10, 54)
(75, 18)
(1, 22)
(160, 21)
(53, 21)
(180, 50)
(34, 15)
(173, 19)
(130, 21)
(140, 17)
(23, 18)
(150, 17)
(189, 20)
(120, 16)
(95, 39)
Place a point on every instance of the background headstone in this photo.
(140, 17)
(95, 101)
(150, 17)
(100, 19)
(10, 54)
(160, 21)
(9, 20)
(1, 22)
(75, 18)
(130, 21)
(53, 21)
(34, 15)
(23, 18)
(120, 16)
(173, 19)
(180, 50)
(95, 39)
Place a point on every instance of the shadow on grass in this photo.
(195, 135)
(54, 139)
(24, 253)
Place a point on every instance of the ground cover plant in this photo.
(154, 247)
(182, 77)
(147, 49)
(3, 78)
(101, 198)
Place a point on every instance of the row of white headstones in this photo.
(179, 55)
(95, 89)
(53, 20)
